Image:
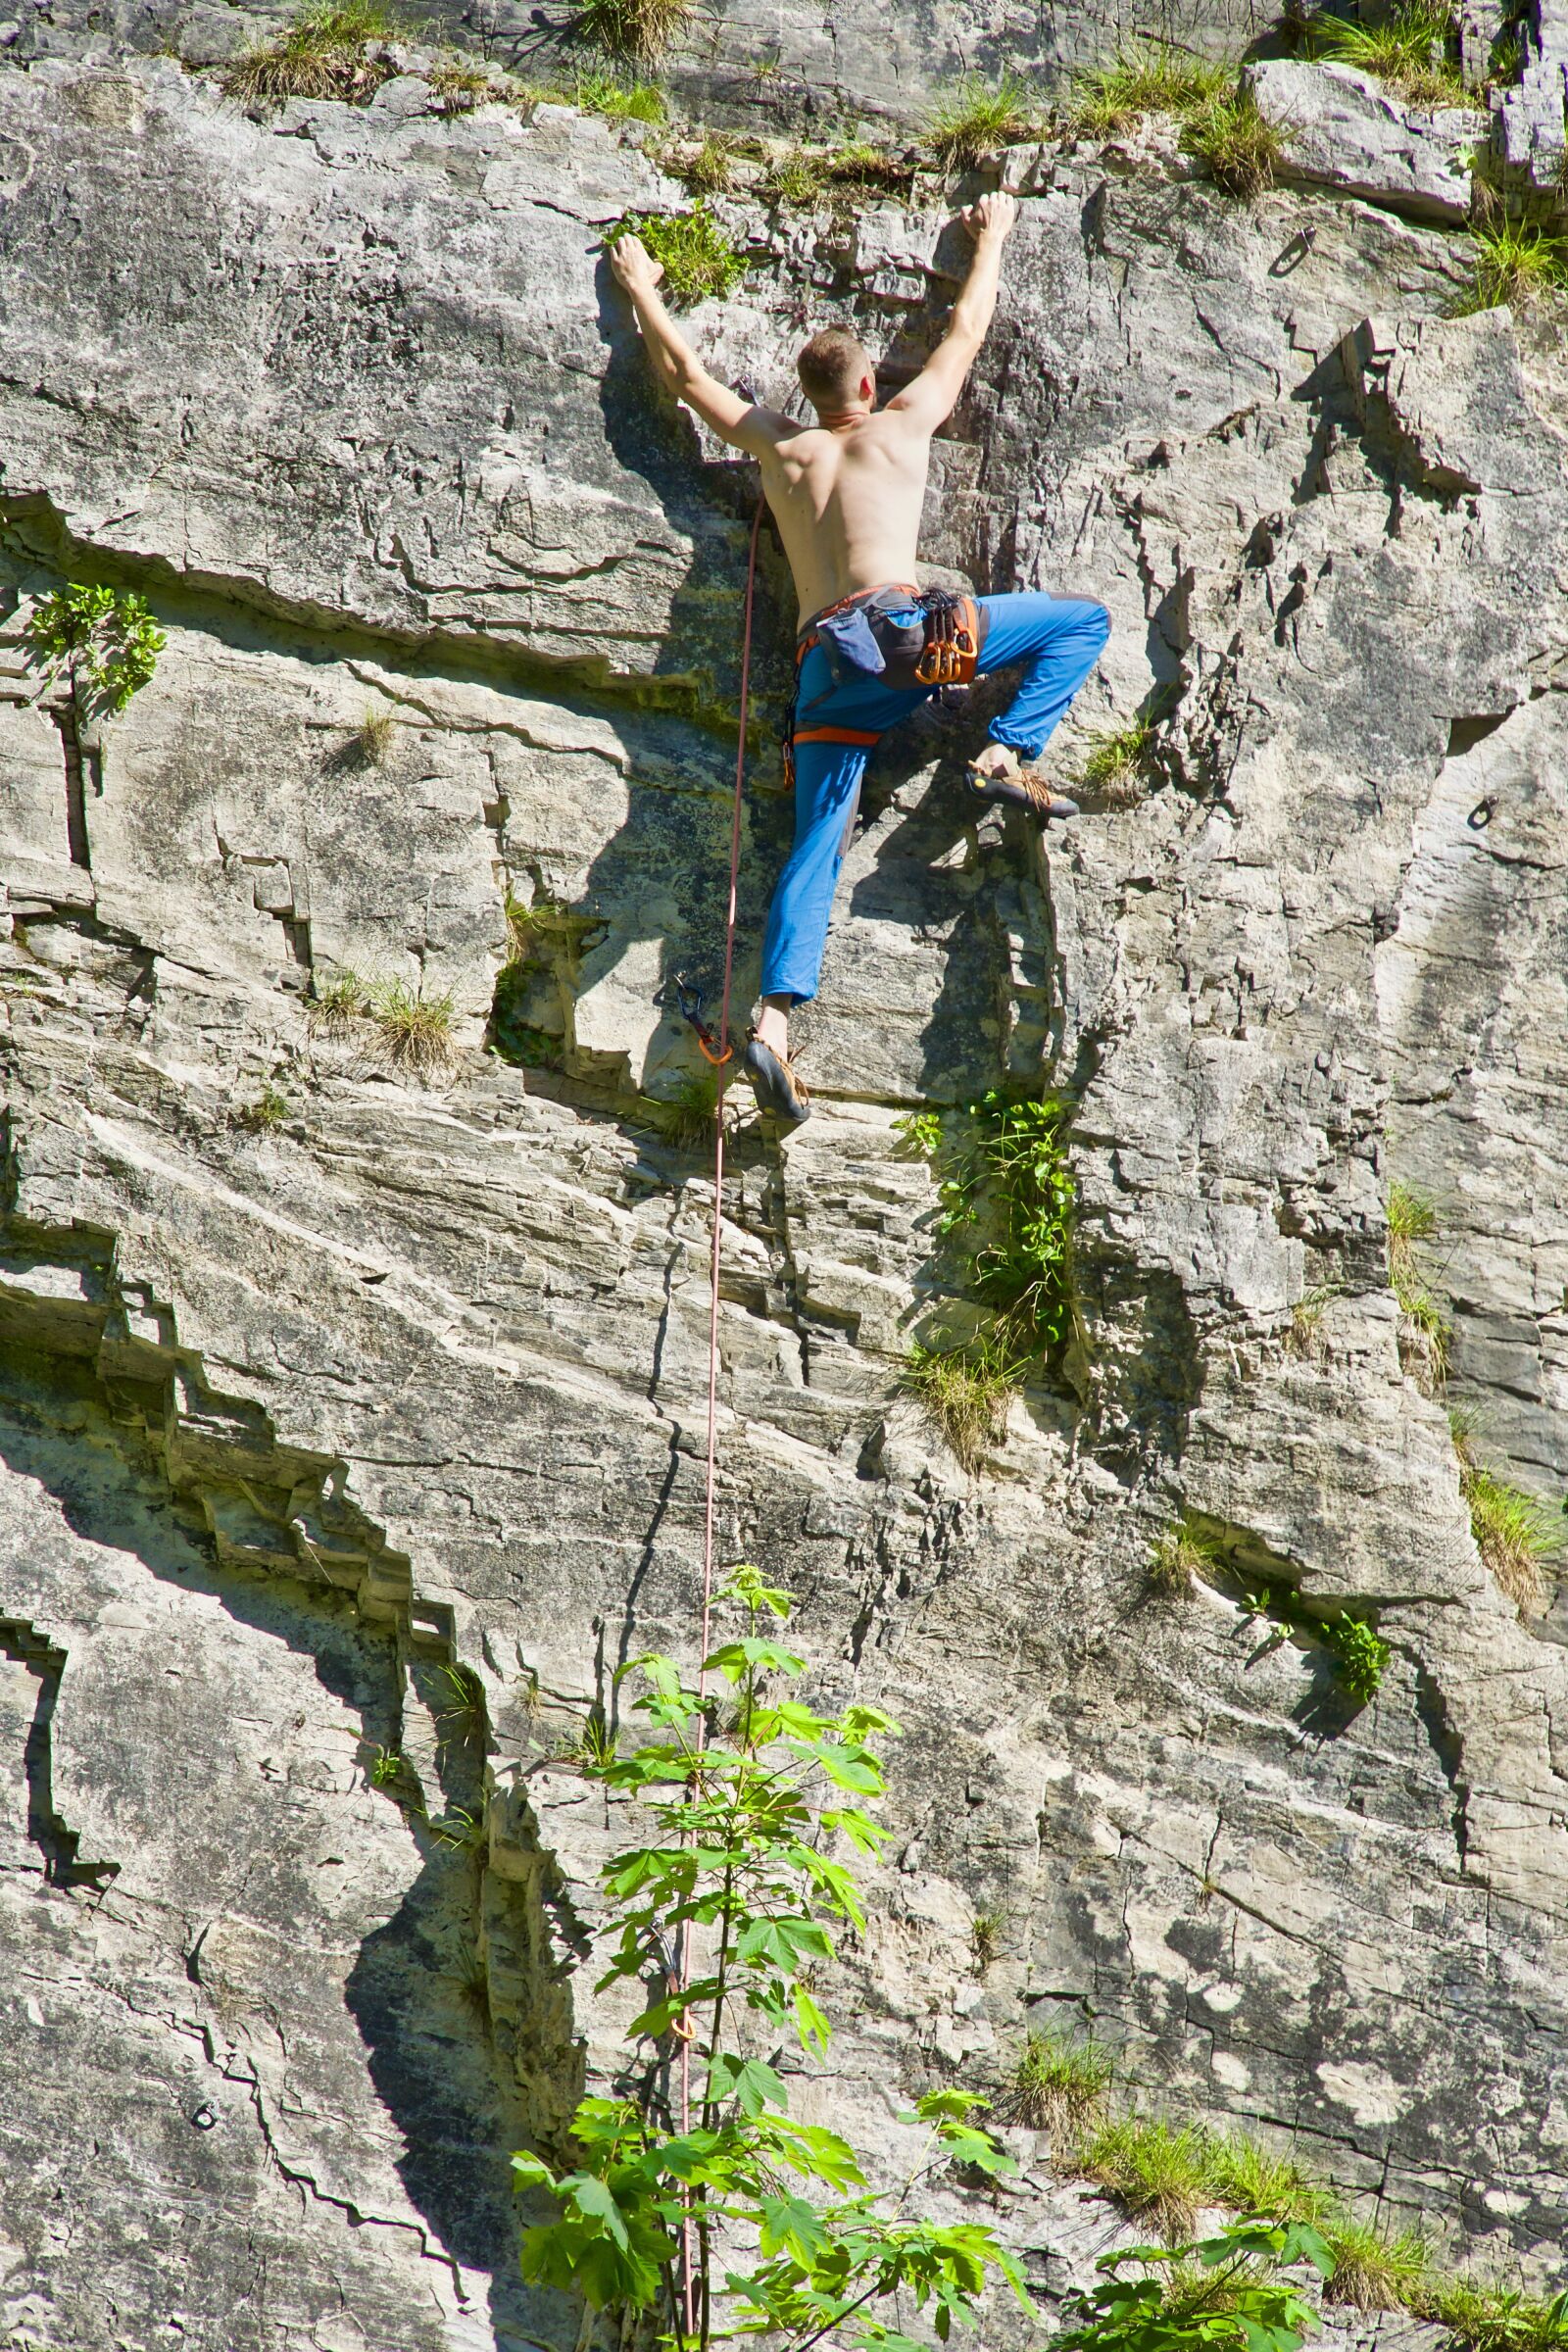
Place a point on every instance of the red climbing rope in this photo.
(687, 2282)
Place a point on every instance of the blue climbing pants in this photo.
(1057, 639)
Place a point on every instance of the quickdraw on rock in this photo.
(689, 1004)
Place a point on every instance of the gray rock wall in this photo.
(299, 1412)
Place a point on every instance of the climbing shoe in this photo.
(1015, 787)
(778, 1089)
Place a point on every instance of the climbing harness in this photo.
(720, 1062)
(862, 637)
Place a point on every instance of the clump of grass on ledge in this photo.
(698, 258)
(985, 1931)
(1142, 81)
(1514, 1532)
(1372, 2270)
(978, 116)
(1425, 1340)
(324, 52)
(1516, 262)
(1179, 1556)
(1488, 2318)
(599, 93)
(1156, 2173)
(373, 745)
(1058, 2083)
(966, 1391)
(686, 1119)
(638, 30)
(1305, 1335)
(1114, 763)
(457, 87)
(711, 170)
(1237, 146)
(1242, 2174)
(417, 1029)
(1413, 49)
(337, 996)
(268, 1111)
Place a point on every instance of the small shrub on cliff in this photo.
(103, 640)
(1058, 2085)
(637, 30)
(1238, 147)
(978, 116)
(1142, 81)
(698, 258)
(732, 2216)
(1360, 1656)
(325, 52)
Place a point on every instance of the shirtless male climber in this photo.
(847, 494)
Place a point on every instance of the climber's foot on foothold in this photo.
(1005, 782)
(778, 1086)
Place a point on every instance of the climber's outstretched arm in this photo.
(930, 400)
(740, 422)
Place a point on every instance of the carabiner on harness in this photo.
(689, 1004)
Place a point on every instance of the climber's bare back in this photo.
(847, 499)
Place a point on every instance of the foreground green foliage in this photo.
(1414, 49)
(1007, 1194)
(753, 1822)
(324, 52)
(103, 640)
(698, 258)
(978, 116)
(1222, 2292)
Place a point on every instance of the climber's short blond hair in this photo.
(831, 368)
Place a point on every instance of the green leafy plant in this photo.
(1142, 81)
(1212, 2294)
(1058, 2083)
(324, 52)
(920, 1132)
(638, 30)
(1425, 1337)
(1360, 1655)
(1180, 1556)
(1237, 146)
(1517, 262)
(1414, 49)
(978, 116)
(698, 258)
(387, 1767)
(103, 640)
(797, 178)
(595, 1746)
(737, 2218)
(1514, 1532)
(966, 1391)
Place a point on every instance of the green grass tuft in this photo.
(460, 1711)
(1156, 2173)
(372, 743)
(337, 996)
(1143, 81)
(1305, 1335)
(1514, 1532)
(1114, 763)
(324, 52)
(1483, 2317)
(417, 1029)
(966, 1391)
(1238, 147)
(457, 87)
(1180, 1556)
(698, 259)
(685, 1120)
(1414, 50)
(1058, 2085)
(639, 31)
(1373, 2271)
(1425, 1337)
(1248, 2177)
(1516, 262)
(985, 1931)
(268, 1111)
(711, 170)
(978, 116)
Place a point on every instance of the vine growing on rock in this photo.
(715, 2209)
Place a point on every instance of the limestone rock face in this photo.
(1342, 129)
(354, 1410)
